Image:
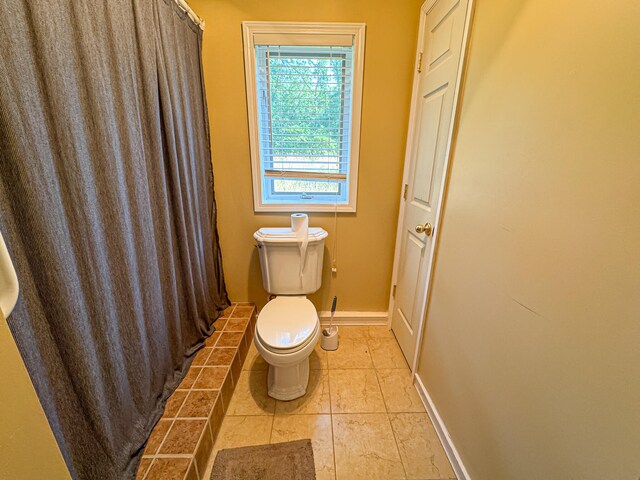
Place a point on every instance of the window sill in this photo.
(304, 207)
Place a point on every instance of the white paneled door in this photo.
(442, 30)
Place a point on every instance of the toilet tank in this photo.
(280, 261)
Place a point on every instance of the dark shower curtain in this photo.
(107, 207)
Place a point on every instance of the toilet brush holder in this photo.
(330, 341)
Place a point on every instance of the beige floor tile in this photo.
(318, 359)
(254, 360)
(316, 400)
(380, 331)
(365, 331)
(365, 448)
(242, 431)
(399, 393)
(351, 353)
(250, 396)
(386, 353)
(355, 391)
(318, 428)
(355, 331)
(420, 449)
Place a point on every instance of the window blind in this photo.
(304, 98)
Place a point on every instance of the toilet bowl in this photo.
(288, 328)
(286, 333)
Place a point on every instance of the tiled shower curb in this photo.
(182, 442)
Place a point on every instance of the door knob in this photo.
(427, 229)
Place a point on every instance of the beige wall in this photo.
(532, 347)
(366, 239)
(27, 446)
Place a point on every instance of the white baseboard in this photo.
(441, 430)
(354, 318)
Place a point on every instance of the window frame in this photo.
(301, 33)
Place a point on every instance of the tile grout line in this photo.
(373, 363)
(393, 432)
(257, 415)
(395, 439)
(187, 419)
(195, 464)
(148, 468)
(384, 400)
(173, 421)
(170, 455)
(177, 410)
(208, 356)
(271, 429)
(200, 440)
(333, 437)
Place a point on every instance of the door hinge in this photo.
(393, 291)
(420, 63)
(404, 193)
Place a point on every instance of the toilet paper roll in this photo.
(300, 226)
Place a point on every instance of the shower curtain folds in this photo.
(108, 210)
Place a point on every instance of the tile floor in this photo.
(361, 412)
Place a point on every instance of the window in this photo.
(304, 90)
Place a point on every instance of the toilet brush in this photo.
(329, 339)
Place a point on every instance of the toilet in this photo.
(288, 327)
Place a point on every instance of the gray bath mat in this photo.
(278, 461)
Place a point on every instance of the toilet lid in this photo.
(286, 322)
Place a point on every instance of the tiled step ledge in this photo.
(181, 443)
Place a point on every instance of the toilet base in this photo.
(290, 382)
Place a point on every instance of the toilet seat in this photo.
(286, 351)
(287, 324)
